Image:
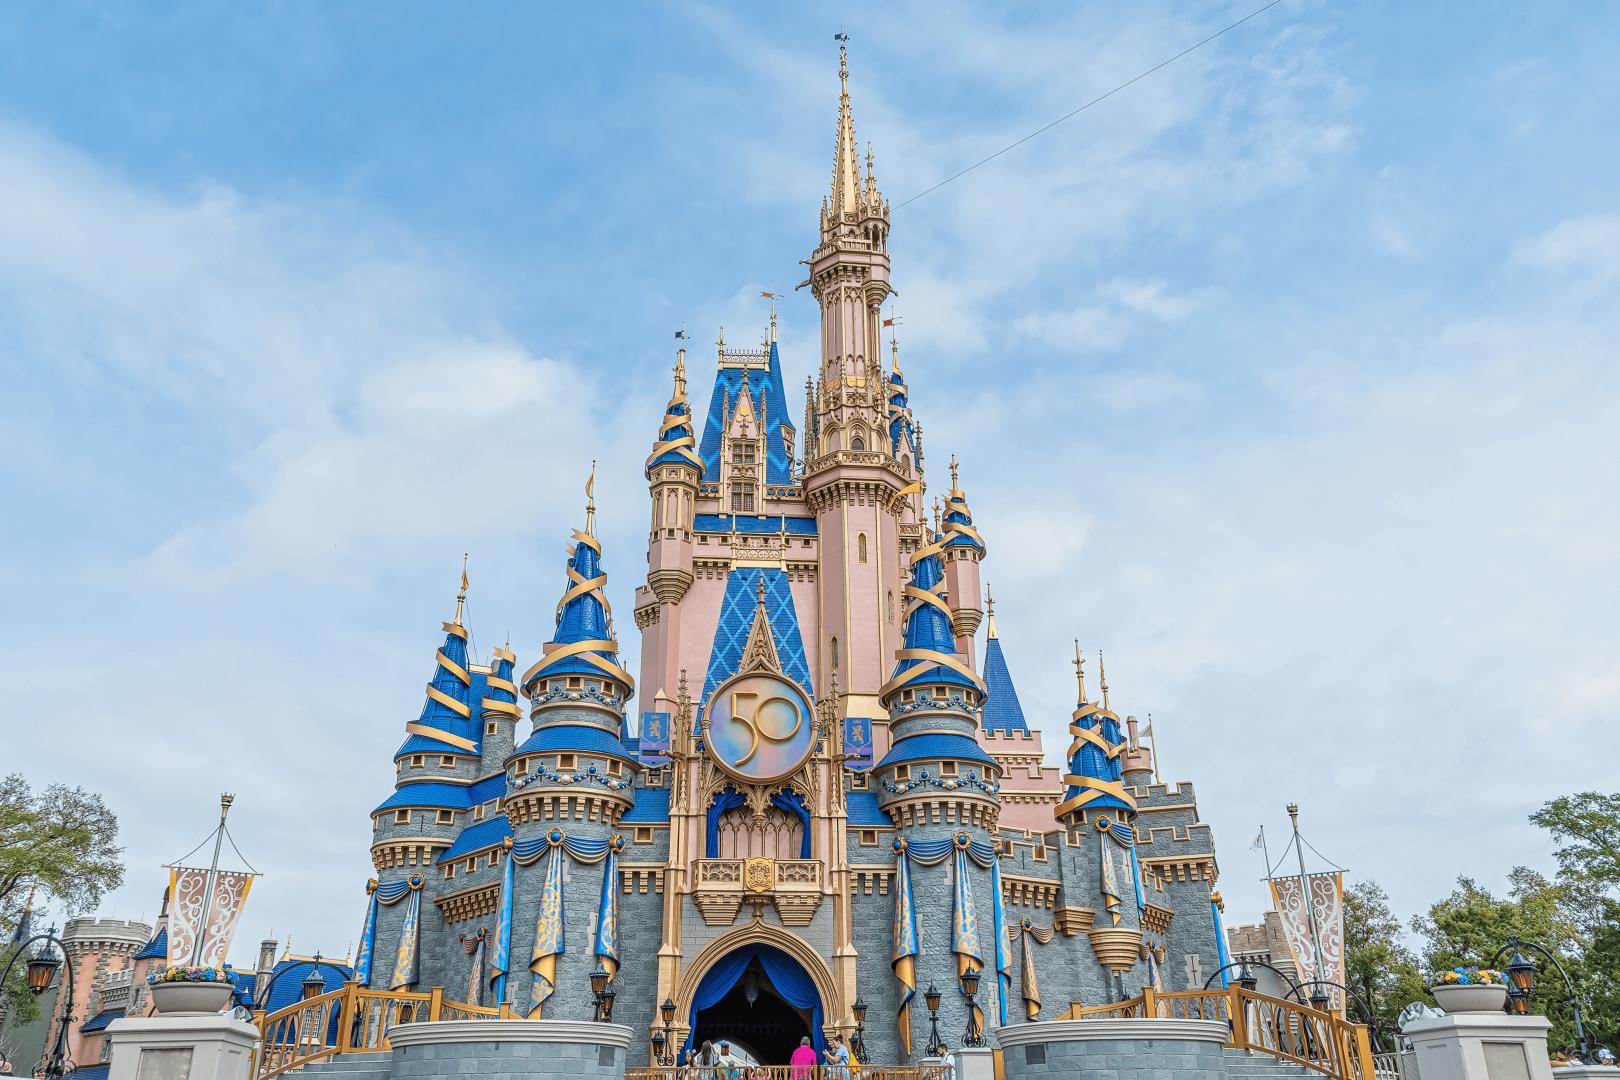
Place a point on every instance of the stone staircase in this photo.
(1244, 1065)
(372, 1066)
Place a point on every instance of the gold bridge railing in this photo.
(1322, 1041)
(350, 1020)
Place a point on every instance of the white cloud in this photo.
(1586, 248)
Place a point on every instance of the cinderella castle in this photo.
(817, 798)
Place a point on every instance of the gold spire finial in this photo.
(590, 501)
(461, 597)
(759, 590)
(954, 485)
(936, 513)
(680, 368)
(720, 343)
(1080, 671)
(989, 613)
(1102, 677)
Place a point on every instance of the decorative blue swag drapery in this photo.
(790, 980)
(731, 799)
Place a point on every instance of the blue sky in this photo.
(1286, 377)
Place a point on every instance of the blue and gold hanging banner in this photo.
(548, 930)
(904, 957)
(1110, 878)
(387, 896)
(965, 925)
(501, 962)
(1003, 947)
(964, 921)
(858, 742)
(475, 972)
(654, 745)
(368, 933)
(405, 961)
(1026, 929)
(607, 909)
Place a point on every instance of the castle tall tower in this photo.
(854, 482)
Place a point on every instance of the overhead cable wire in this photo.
(1103, 97)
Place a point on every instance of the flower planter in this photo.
(1472, 998)
(190, 998)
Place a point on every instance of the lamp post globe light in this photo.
(1247, 979)
(858, 1011)
(42, 966)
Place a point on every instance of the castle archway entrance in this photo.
(757, 996)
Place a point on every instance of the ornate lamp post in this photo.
(931, 999)
(858, 1011)
(1521, 973)
(664, 1041)
(1247, 979)
(974, 1036)
(604, 996)
(42, 968)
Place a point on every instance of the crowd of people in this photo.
(715, 1061)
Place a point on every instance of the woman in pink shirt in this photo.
(803, 1060)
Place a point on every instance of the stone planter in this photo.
(190, 998)
(1473, 998)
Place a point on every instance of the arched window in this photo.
(889, 604)
(857, 443)
(835, 654)
(860, 544)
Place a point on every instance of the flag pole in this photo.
(225, 801)
(1305, 890)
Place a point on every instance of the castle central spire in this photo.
(846, 183)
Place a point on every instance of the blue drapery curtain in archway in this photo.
(790, 979)
(731, 799)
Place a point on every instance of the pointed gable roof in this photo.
(733, 630)
(756, 375)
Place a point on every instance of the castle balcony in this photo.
(793, 886)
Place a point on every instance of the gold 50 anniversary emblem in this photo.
(758, 726)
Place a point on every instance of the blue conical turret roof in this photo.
(1095, 778)
(1002, 712)
(929, 652)
(583, 643)
(447, 723)
(676, 439)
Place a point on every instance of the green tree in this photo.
(1587, 825)
(58, 845)
(1377, 966)
(1469, 926)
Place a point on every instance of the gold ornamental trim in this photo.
(447, 701)
(445, 737)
